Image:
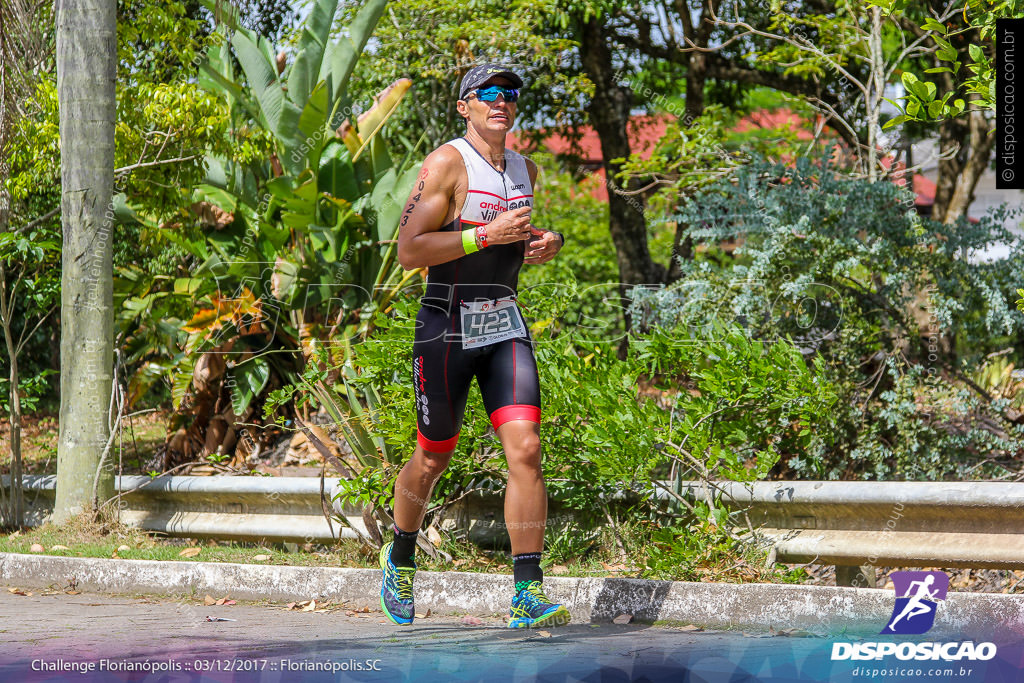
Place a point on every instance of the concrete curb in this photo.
(821, 609)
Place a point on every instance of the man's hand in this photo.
(544, 248)
(509, 226)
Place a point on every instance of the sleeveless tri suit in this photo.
(468, 324)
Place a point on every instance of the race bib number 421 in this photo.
(489, 322)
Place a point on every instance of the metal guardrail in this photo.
(284, 509)
(854, 524)
(849, 524)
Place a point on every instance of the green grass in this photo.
(84, 540)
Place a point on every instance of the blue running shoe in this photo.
(396, 589)
(532, 609)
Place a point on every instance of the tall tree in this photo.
(609, 112)
(24, 271)
(86, 74)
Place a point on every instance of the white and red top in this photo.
(491, 191)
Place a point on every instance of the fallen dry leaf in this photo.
(433, 536)
(16, 591)
(36, 548)
(291, 605)
(310, 607)
(59, 547)
(459, 563)
(190, 552)
(544, 634)
(622, 619)
(122, 548)
(16, 534)
(472, 621)
(210, 600)
(261, 558)
(349, 613)
(690, 627)
(221, 601)
(559, 569)
(793, 633)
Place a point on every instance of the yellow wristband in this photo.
(469, 240)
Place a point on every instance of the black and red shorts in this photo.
(442, 372)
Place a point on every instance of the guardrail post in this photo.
(858, 577)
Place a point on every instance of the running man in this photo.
(914, 606)
(468, 220)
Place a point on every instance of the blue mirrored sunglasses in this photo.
(490, 93)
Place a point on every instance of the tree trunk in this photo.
(962, 185)
(609, 114)
(951, 132)
(86, 72)
(696, 75)
(696, 64)
(15, 514)
(875, 90)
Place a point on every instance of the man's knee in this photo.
(431, 464)
(523, 450)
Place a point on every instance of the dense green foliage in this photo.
(288, 240)
(896, 307)
(164, 126)
(964, 48)
(712, 409)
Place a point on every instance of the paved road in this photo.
(61, 637)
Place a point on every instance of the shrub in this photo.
(890, 304)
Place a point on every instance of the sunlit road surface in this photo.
(88, 637)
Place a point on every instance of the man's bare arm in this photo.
(419, 242)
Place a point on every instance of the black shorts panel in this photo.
(443, 371)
